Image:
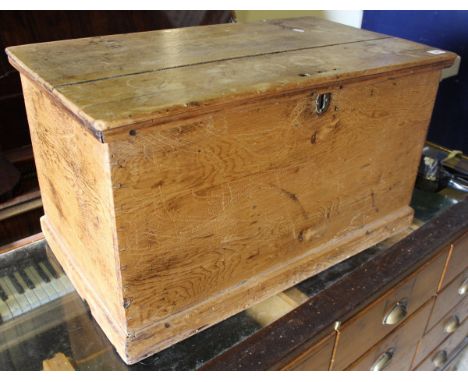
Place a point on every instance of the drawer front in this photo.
(317, 357)
(396, 350)
(436, 359)
(458, 260)
(448, 325)
(448, 298)
(366, 328)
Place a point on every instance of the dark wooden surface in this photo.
(21, 208)
(25, 27)
(20, 226)
(273, 343)
(9, 178)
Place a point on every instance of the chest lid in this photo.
(128, 79)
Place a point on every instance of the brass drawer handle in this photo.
(383, 361)
(397, 313)
(463, 287)
(440, 358)
(452, 324)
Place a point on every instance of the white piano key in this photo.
(39, 290)
(20, 297)
(66, 281)
(3, 295)
(61, 283)
(53, 282)
(48, 264)
(5, 311)
(13, 304)
(54, 264)
(66, 285)
(4, 286)
(62, 277)
(28, 293)
(46, 287)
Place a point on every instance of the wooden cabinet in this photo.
(450, 323)
(458, 260)
(448, 298)
(317, 357)
(422, 339)
(396, 350)
(447, 325)
(366, 328)
(441, 355)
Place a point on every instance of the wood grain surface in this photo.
(438, 333)
(458, 260)
(73, 172)
(447, 299)
(270, 346)
(59, 362)
(402, 342)
(364, 330)
(188, 70)
(316, 358)
(168, 226)
(448, 346)
(215, 191)
(64, 62)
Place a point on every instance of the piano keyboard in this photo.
(29, 284)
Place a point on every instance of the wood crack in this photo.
(211, 62)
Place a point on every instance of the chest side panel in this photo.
(74, 178)
(208, 204)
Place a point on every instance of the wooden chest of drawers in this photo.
(188, 174)
(429, 325)
(420, 338)
(357, 335)
(396, 350)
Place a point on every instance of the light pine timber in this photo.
(88, 59)
(184, 180)
(100, 80)
(59, 362)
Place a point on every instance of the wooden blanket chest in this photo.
(187, 174)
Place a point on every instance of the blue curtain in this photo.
(446, 30)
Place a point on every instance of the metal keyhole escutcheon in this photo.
(322, 103)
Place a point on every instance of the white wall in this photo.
(353, 18)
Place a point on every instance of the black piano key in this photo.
(26, 279)
(3, 294)
(42, 274)
(50, 268)
(19, 288)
